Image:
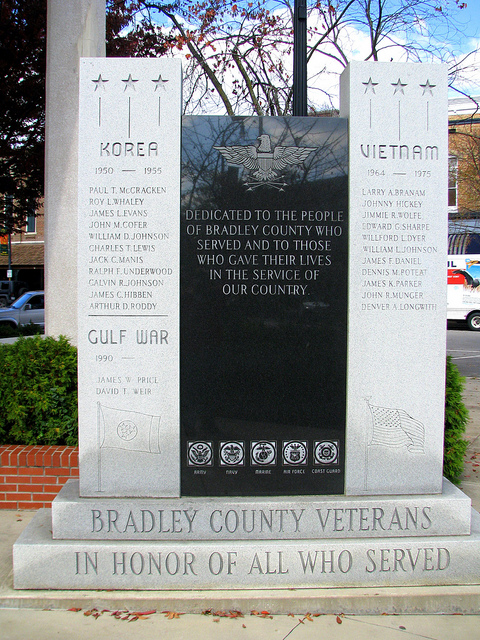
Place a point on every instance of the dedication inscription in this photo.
(263, 305)
(128, 277)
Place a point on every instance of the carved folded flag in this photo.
(129, 430)
(395, 428)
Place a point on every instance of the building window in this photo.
(452, 182)
(31, 226)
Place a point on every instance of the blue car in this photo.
(29, 307)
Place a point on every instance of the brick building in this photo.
(27, 253)
(464, 175)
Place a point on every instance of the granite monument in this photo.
(261, 349)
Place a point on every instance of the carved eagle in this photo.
(264, 161)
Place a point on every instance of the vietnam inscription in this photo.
(398, 162)
(395, 199)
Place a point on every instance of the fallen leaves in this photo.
(172, 615)
(261, 614)
(307, 616)
(133, 616)
(128, 616)
(222, 614)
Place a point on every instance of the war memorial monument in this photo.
(261, 336)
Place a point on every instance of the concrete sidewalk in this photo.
(45, 625)
(39, 615)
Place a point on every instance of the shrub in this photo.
(456, 417)
(38, 392)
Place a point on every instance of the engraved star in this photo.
(370, 85)
(99, 82)
(129, 82)
(160, 82)
(398, 86)
(427, 87)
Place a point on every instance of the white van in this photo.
(463, 297)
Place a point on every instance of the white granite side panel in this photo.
(128, 276)
(397, 276)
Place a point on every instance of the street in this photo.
(464, 347)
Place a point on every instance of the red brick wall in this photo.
(31, 477)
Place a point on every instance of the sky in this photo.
(472, 17)
(462, 39)
(469, 19)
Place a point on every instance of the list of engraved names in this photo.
(128, 269)
(125, 267)
(396, 240)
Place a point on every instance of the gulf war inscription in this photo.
(128, 277)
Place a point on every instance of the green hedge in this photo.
(30, 329)
(38, 392)
(38, 399)
(456, 418)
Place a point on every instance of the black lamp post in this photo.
(9, 222)
(300, 58)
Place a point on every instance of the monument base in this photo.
(259, 518)
(192, 563)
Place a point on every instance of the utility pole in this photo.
(300, 58)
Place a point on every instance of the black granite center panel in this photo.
(264, 236)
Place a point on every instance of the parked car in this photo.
(17, 288)
(30, 307)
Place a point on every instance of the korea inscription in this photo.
(128, 277)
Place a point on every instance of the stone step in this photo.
(278, 518)
(43, 563)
